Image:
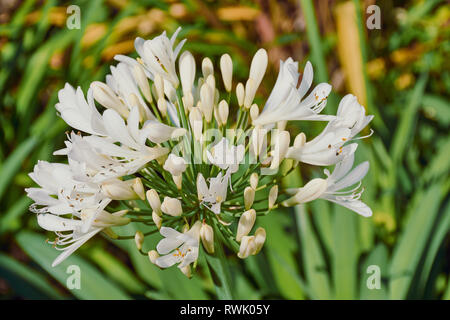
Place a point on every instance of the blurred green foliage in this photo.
(318, 251)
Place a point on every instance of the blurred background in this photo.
(399, 72)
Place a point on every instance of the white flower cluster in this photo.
(172, 151)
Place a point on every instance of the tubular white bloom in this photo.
(70, 231)
(226, 156)
(213, 196)
(158, 56)
(177, 247)
(342, 178)
(287, 102)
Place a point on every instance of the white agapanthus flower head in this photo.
(191, 154)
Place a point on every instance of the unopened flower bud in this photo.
(123, 190)
(245, 225)
(187, 71)
(240, 94)
(254, 111)
(186, 271)
(273, 194)
(207, 67)
(211, 81)
(254, 179)
(247, 247)
(207, 101)
(195, 119)
(171, 206)
(207, 236)
(142, 82)
(299, 140)
(258, 139)
(281, 148)
(107, 98)
(250, 91)
(223, 111)
(260, 238)
(159, 86)
(153, 200)
(162, 106)
(188, 101)
(139, 239)
(157, 219)
(311, 191)
(281, 125)
(152, 256)
(258, 66)
(226, 67)
(249, 197)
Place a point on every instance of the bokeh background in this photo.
(400, 73)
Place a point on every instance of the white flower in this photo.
(224, 155)
(329, 189)
(328, 147)
(213, 196)
(70, 232)
(158, 56)
(78, 113)
(106, 159)
(177, 247)
(60, 193)
(287, 102)
(342, 178)
(125, 84)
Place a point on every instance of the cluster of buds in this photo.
(196, 158)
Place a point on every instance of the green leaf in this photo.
(27, 274)
(116, 270)
(412, 241)
(93, 283)
(316, 274)
(377, 257)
